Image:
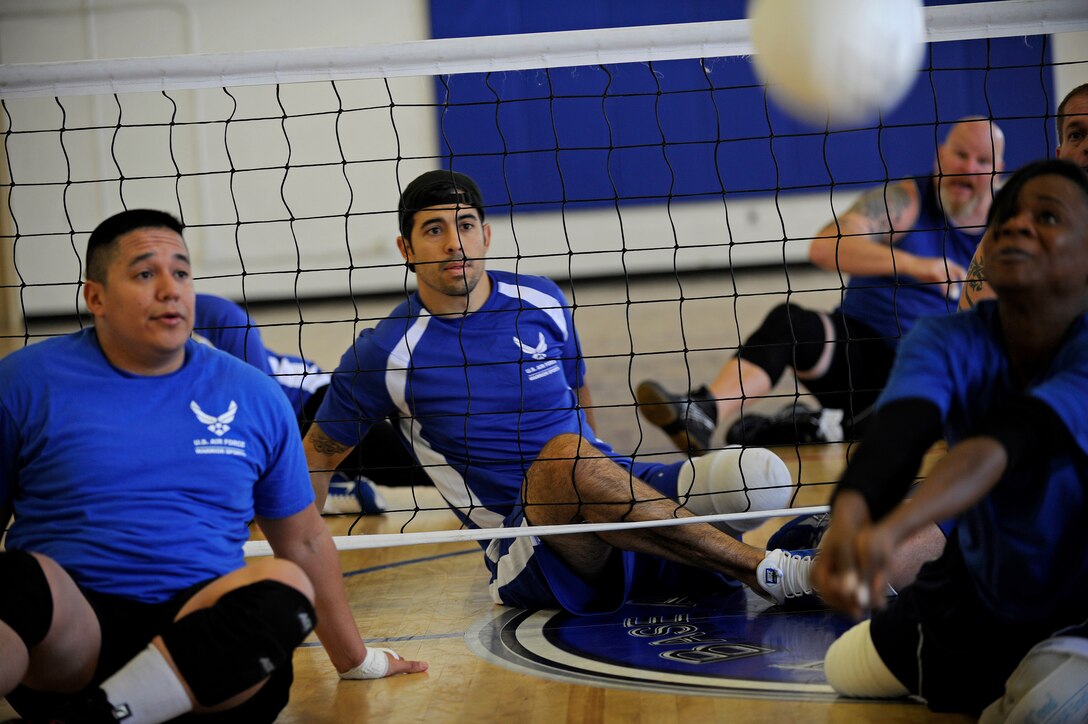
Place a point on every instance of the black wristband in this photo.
(891, 452)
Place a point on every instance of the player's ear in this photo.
(404, 246)
(487, 236)
(92, 295)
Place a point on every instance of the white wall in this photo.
(59, 30)
(53, 220)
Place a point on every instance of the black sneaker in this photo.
(748, 430)
(794, 424)
(689, 421)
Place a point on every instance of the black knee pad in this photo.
(245, 637)
(790, 336)
(26, 601)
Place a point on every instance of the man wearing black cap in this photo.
(483, 373)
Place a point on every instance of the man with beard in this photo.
(482, 370)
(905, 246)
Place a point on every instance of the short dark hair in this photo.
(433, 189)
(1004, 205)
(102, 239)
(1059, 119)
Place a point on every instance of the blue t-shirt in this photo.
(226, 326)
(890, 305)
(1024, 542)
(476, 396)
(141, 486)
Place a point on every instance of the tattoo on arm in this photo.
(871, 211)
(975, 275)
(324, 444)
(884, 209)
(900, 204)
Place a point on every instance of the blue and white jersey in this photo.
(890, 305)
(224, 325)
(1025, 542)
(141, 486)
(476, 396)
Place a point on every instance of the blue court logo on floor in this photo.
(729, 645)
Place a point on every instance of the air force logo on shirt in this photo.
(539, 353)
(218, 425)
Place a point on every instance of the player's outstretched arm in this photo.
(876, 480)
(835, 571)
(967, 473)
(958, 481)
(303, 539)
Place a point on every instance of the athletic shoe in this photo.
(89, 706)
(689, 422)
(802, 533)
(794, 424)
(785, 575)
(749, 430)
(357, 496)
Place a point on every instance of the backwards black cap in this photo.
(437, 188)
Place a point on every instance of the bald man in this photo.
(905, 246)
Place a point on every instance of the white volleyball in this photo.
(841, 61)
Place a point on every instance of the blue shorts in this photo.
(528, 574)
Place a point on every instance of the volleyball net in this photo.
(647, 154)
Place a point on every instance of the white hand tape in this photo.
(374, 666)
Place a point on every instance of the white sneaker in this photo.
(786, 574)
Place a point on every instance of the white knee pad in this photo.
(1050, 684)
(854, 668)
(735, 480)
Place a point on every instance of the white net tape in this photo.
(1004, 18)
(387, 540)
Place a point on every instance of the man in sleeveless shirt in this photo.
(905, 246)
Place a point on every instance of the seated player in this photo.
(124, 593)
(1004, 383)
(905, 245)
(381, 458)
(483, 373)
(1072, 129)
(1072, 125)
